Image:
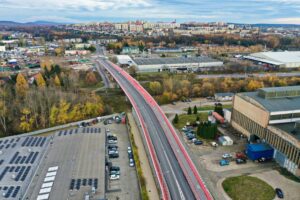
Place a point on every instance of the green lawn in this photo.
(208, 108)
(184, 118)
(248, 188)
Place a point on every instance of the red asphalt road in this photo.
(153, 103)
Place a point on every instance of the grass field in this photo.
(248, 188)
(184, 118)
(207, 108)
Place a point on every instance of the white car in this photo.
(112, 142)
(131, 162)
(114, 177)
(226, 155)
(129, 150)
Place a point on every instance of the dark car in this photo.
(240, 161)
(114, 168)
(190, 137)
(198, 142)
(279, 193)
(114, 155)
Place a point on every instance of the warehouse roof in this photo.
(277, 57)
(273, 104)
(176, 60)
(290, 128)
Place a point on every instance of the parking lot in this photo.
(126, 187)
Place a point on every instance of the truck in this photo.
(218, 117)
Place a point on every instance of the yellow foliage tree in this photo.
(57, 81)
(155, 87)
(40, 81)
(63, 116)
(27, 120)
(21, 85)
(254, 85)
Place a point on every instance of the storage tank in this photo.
(259, 150)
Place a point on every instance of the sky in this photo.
(77, 11)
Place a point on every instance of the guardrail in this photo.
(153, 103)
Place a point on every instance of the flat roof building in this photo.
(176, 63)
(273, 115)
(288, 59)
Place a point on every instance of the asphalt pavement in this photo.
(172, 169)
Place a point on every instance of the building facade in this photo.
(273, 116)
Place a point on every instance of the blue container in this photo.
(260, 150)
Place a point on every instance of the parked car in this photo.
(226, 155)
(130, 155)
(190, 137)
(114, 177)
(224, 162)
(240, 155)
(112, 142)
(114, 155)
(114, 172)
(112, 152)
(240, 161)
(129, 150)
(173, 103)
(214, 144)
(279, 193)
(114, 168)
(131, 162)
(198, 142)
(112, 146)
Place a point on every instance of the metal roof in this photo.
(289, 128)
(273, 104)
(176, 60)
(278, 57)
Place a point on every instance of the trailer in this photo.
(218, 117)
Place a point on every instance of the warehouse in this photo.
(177, 64)
(272, 115)
(287, 59)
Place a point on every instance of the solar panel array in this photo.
(18, 161)
(76, 131)
(75, 184)
(10, 191)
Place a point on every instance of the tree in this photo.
(57, 81)
(90, 78)
(155, 87)
(189, 111)
(21, 85)
(254, 85)
(195, 110)
(197, 118)
(219, 109)
(27, 120)
(40, 82)
(176, 119)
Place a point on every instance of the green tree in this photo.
(219, 109)
(189, 111)
(176, 119)
(195, 110)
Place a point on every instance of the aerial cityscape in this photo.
(149, 100)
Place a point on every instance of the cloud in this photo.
(243, 11)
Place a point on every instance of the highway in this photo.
(179, 175)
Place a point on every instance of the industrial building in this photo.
(272, 115)
(176, 64)
(287, 59)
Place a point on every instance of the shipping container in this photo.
(259, 150)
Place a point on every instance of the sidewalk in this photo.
(147, 172)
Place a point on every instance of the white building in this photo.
(176, 64)
(288, 59)
(2, 48)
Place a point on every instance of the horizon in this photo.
(76, 11)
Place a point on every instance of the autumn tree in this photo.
(57, 81)
(21, 85)
(155, 87)
(27, 120)
(90, 78)
(254, 85)
(40, 81)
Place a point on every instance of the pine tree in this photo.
(176, 119)
(189, 111)
(195, 110)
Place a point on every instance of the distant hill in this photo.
(270, 25)
(36, 23)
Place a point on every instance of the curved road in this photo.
(179, 177)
